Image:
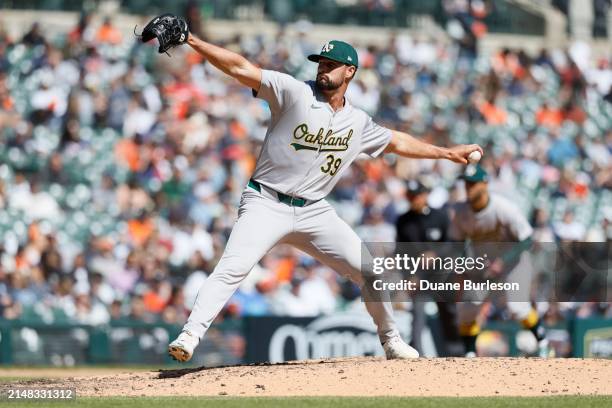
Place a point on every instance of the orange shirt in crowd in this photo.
(549, 117)
(21, 262)
(108, 34)
(248, 162)
(238, 130)
(34, 233)
(508, 63)
(194, 58)
(153, 302)
(581, 190)
(181, 95)
(284, 269)
(127, 154)
(140, 231)
(374, 169)
(492, 114)
(7, 103)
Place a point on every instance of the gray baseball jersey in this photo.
(499, 221)
(308, 145)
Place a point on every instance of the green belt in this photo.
(283, 198)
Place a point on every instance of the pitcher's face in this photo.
(332, 74)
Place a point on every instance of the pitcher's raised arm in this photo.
(231, 63)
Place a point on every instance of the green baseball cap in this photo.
(474, 173)
(338, 51)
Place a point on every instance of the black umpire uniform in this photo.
(424, 224)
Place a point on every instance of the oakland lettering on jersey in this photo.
(325, 141)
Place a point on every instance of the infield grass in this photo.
(316, 402)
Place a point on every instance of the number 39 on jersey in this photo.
(332, 164)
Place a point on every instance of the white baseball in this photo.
(474, 157)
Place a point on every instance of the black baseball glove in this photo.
(169, 30)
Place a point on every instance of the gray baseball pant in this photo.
(264, 222)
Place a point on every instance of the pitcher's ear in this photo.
(354, 71)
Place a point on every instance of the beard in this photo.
(326, 84)
(476, 197)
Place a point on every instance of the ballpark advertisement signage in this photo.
(592, 338)
(277, 339)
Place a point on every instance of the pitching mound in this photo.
(360, 377)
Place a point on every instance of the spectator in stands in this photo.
(549, 116)
(107, 33)
(569, 229)
(33, 37)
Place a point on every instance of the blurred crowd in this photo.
(121, 169)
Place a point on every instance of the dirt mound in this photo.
(360, 377)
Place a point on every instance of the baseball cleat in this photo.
(182, 348)
(470, 354)
(396, 348)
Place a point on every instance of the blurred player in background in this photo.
(489, 218)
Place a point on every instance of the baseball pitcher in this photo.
(313, 137)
